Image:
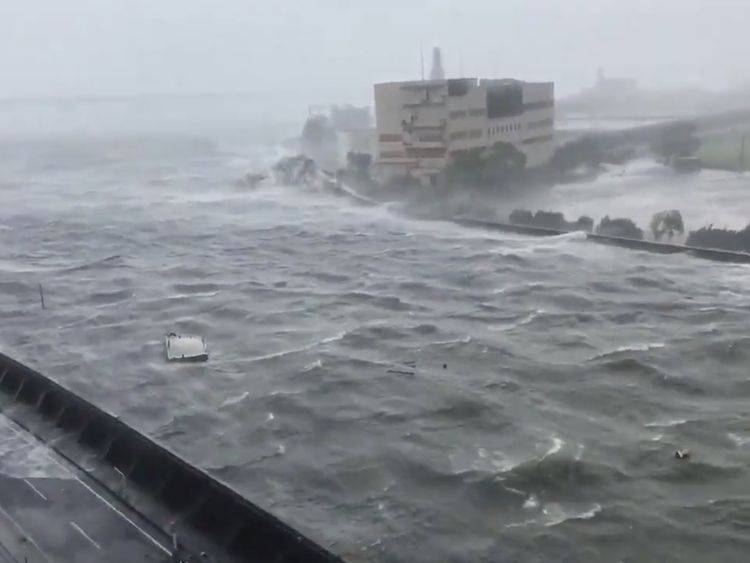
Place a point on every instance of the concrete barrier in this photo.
(647, 245)
(211, 508)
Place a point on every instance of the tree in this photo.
(466, 166)
(486, 167)
(504, 160)
(582, 152)
(620, 227)
(676, 140)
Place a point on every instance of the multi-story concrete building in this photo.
(421, 124)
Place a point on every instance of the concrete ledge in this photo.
(209, 507)
(714, 254)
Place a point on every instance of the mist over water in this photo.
(641, 188)
(552, 379)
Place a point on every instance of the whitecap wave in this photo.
(738, 439)
(523, 321)
(317, 364)
(669, 423)
(555, 514)
(465, 340)
(483, 461)
(629, 348)
(547, 243)
(531, 502)
(518, 288)
(236, 399)
(356, 195)
(557, 445)
(521, 524)
(282, 353)
(193, 295)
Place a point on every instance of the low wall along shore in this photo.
(650, 246)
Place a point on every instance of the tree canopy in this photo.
(486, 167)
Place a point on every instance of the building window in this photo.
(504, 100)
(429, 138)
(436, 152)
(542, 139)
(458, 87)
(531, 106)
(458, 114)
(390, 138)
(477, 112)
(542, 124)
(392, 154)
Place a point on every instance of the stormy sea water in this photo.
(399, 389)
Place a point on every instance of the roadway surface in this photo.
(50, 513)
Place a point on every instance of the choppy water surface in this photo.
(552, 379)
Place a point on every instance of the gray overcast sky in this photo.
(333, 50)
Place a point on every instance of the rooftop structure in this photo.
(437, 72)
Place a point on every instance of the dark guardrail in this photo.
(647, 245)
(242, 530)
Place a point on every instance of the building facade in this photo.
(421, 124)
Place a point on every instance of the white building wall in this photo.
(467, 119)
(456, 123)
(388, 117)
(538, 142)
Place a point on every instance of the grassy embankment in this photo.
(722, 152)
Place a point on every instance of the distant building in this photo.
(614, 87)
(437, 72)
(332, 132)
(421, 124)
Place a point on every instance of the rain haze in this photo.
(334, 50)
(459, 281)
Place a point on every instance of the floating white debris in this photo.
(184, 348)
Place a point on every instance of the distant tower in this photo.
(600, 76)
(437, 72)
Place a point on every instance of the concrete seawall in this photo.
(650, 246)
(208, 512)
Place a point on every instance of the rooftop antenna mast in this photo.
(421, 58)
